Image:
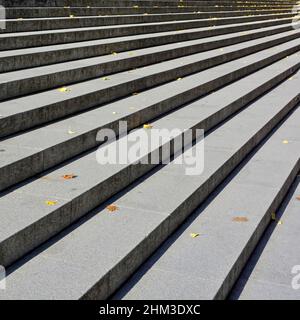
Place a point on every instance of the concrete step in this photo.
(62, 36)
(272, 271)
(230, 223)
(246, 90)
(143, 220)
(18, 151)
(203, 11)
(24, 82)
(126, 3)
(12, 60)
(50, 105)
(41, 24)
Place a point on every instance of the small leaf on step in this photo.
(112, 208)
(70, 131)
(64, 89)
(69, 176)
(240, 219)
(194, 235)
(51, 202)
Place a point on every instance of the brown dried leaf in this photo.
(112, 208)
(240, 219)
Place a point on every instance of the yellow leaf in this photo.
(51, 202)
(64, 89)
(194, 235)
(178, 79)
(148, 126)
(114, 53)
(112, 208)
(70, 131)
(273, 215)
(135, 6)
(104, 78)
(71, 16)
(280, 222)
(285, 141)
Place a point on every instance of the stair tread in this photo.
(76, 45)
(268, 274)
(202, 265)
(21, 148)
(179, 25)
(53, 96)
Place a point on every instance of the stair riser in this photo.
(209, 12)
(70, 23)
(121, 272)
(15, 42)
(97, 3)
(14, 63)
(28, 239)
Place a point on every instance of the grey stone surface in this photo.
(219, 69)
(168, 220)
(38, 38)
(24, 82)
(217, 256)
(32, 57)
(57, 152)
(268, 274)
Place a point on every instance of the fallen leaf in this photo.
(104, 78)
(148, 126)
(114, 53)
(64, 89)
(194, 235)
(69, 176)
(70, 131)
(71, 16)
(298, 198)
(273, 216)
(178, 79)
(285, 141)
(280, 222)
(51, 202)
(240, 219)
(135, 93)
(112, 208)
